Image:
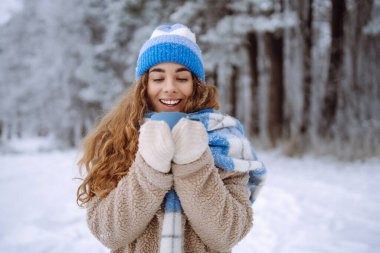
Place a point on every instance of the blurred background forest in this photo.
(302, 75)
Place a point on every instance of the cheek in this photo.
(151, 91)
(151, 94)
(188, 91)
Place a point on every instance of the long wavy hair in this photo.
(110, 149)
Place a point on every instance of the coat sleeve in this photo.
(216, 203)
(124, 214)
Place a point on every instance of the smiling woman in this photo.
(170, 86)
(154, 188)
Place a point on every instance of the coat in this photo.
(216, 215)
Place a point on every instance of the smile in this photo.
(171, 102)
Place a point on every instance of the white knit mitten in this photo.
(191, 140)
(156, 145)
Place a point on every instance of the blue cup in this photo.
(171, 118)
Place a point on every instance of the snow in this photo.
(308, 205)
(316, 205)
(29, 145)
(9, 8)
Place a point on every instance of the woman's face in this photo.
(170, 86)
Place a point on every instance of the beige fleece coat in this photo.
(217, 212)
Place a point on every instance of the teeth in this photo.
(170, 102)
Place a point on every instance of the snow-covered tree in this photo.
(291, 71)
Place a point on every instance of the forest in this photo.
(301, 75)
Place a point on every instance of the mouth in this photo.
(170, 102)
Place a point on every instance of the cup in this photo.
(171, 118)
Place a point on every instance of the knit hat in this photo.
(171, 43)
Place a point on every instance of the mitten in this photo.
(156, 145)
(191, 140)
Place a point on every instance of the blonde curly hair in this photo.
(110, 149)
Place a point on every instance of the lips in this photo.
(170, 102)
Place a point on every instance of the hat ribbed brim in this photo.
(169, 52)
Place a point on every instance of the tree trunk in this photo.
(1, 130)
(362, 16)
(306, 17)
(335, 72)
(234, 90)
(215, 76)
(274, 49)
(253, 57)
(359, 47)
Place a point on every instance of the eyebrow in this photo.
(163, 71)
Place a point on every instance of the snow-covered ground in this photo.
(308, 205)
(8, 8)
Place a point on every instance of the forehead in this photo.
(168, 67)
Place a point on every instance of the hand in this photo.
(191, 140)
(156, 145)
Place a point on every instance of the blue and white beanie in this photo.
(171, 43)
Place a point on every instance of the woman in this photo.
(150, 188)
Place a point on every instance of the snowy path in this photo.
(311, 205)
(308, 205)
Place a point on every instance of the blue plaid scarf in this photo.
(232, 152)
(230, 148)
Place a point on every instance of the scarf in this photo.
(231, 151)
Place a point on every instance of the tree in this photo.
(253, 63)
(336, 67)
(274, 50)
(305, 11)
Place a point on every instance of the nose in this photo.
(170, 86)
